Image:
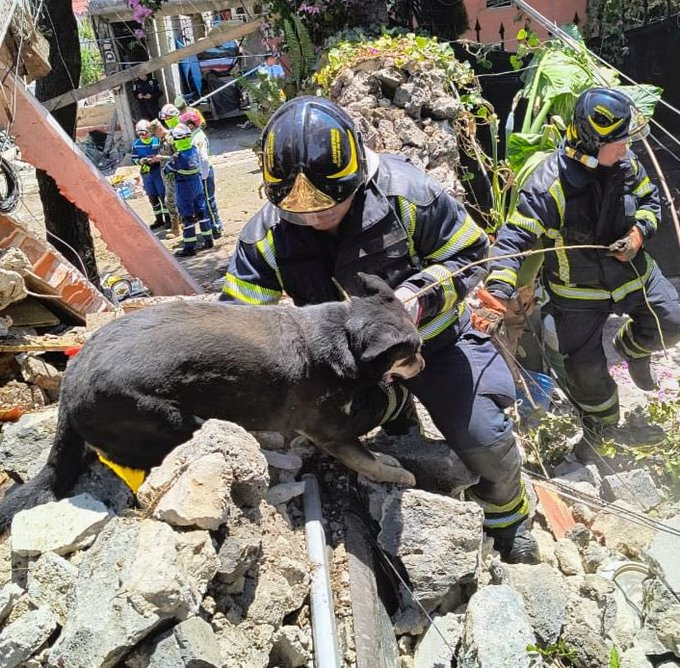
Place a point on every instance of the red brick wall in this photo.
(559, 11)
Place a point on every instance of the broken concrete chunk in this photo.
(24, 637)
(635, 487)
(62, 526)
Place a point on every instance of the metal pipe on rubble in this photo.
(326, 654)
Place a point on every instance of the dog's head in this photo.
(383, 338)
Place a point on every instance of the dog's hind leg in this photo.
(372, 465)
(65, 463)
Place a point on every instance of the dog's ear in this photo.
(369, 285)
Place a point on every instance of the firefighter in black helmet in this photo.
(593, 190)
(335, 209)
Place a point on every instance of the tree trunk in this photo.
(68, 228)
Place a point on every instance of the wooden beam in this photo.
(218, 36)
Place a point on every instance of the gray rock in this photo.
(577, 472)
(663, 552)
(437, 539)
(26, 443)
(284, 492)
(192, 643)
(103, 484)
(668, 629)
(635, 657)
(9, 595)
(403, 94)
(61, 526)
(593, 556)
(545, 598)
(291, 647)
(621, 535)
(51, 582)
(568, 557)
(435, 465)
(409, 133)
(25, 636)
(208, 479)
(437, 646)
(635, 487)
(137, 574)
(445, 107)
(240, 550)
(497, 631)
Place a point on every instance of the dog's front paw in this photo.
(389, 470)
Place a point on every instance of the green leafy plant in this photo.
(92, 67)
(545, 440)
(557, 654)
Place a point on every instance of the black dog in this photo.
(144, 383)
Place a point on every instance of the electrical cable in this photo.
(9, 202)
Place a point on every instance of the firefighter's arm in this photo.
(525, 226)
(250, 278)
(648, 204)
(446, 239)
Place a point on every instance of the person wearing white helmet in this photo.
(186, 167)
(169, 114)
(145, 153)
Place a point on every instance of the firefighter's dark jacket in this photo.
(565, 203)
(402, 226)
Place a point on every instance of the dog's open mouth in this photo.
(404, 369)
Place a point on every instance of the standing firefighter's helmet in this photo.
(602, 116)
(312, 156)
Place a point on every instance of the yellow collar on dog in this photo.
(133, 478)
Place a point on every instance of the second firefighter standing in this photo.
(189, 194)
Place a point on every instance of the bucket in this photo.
(540, 386)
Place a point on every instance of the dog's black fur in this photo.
(144, 383)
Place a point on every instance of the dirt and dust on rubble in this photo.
(209, 565)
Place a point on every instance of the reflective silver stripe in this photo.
(563, 270)
(267, 250)
(440, 322)
(508, 276)
(466, 235)
(407, 213)
(558, 195)
(391, 402)
(636, 284)
(646, 214)
(250, 293)
(448, 286)
(603, 407)
(532, 225)
(643, 188)
(570, 292)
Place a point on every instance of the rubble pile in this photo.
(408, 108)
(211, 568)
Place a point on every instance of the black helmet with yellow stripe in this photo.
(312, 156)
(602, 116)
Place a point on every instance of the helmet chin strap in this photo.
(575, 154)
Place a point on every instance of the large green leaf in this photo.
(644, 96)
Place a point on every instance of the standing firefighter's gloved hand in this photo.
(489, 317)
(627, 247)
(410, 303)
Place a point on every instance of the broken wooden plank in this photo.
(556, 511)
(218, 36)
(26, 344)
(46, 146)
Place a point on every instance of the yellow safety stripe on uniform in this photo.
(528, 223)
(250, 293)
(636, 284)
(635, 165)
(630, 352)
(508, 276)
(466, 235)
(586, 294)
(643, 188)
(558, 195)
(643, 352)
(392, 409)
(407, 213)
(188, 172)
(133, 478)
(489, 507)
(440, 322)
(507, 520)
(646, 214)
(267, 250)
(448, 286)
(603, 407)
(563, 270)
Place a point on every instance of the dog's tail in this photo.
(64, 465)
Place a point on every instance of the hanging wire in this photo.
(9, 202)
